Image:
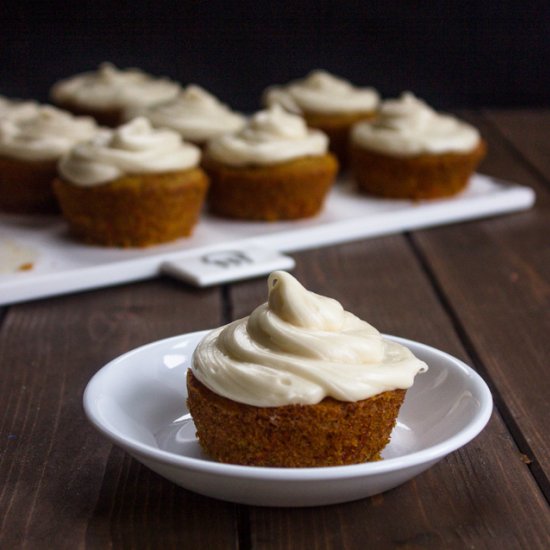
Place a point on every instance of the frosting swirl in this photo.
(197, 115)
(134, 148)
(40, 132)
(109, 87)
(321, 92)
(407, 126)
(270, 137)
(15, 109)
(299, 348)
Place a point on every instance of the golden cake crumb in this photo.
(290, 190)
(329, 433)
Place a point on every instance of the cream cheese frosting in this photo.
(407, 126)
(112, 88)
(42, 133)
(133, 148)
(196, 114)
(324, 93)
(270, 137)
(298, 348)
(16, 109)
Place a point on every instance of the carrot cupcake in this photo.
(131, 187)
(197, 115)
(107, 92)
(298, 383)
(32, 139)
(275, 168)
(328, 103)
(412, 152)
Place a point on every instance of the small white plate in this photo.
(138, 401)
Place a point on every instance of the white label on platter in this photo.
(231, 264)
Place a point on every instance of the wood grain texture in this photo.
(62, 484)
(528, 132)
(482, 496)
(496, 278)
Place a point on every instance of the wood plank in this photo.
(62, 484)
(482, 496)
(496, 279)
(528, 130)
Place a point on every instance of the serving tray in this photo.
(38, 258)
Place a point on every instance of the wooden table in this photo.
(478, 290)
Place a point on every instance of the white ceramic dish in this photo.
(61, 265)
(138, 401)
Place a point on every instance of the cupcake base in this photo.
(26, 186)
(330, 433)
(136, 210)
(286, 191)
(419, 177)
(337, 127)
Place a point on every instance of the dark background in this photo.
(456, 54)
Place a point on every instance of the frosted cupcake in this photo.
(131, 187)
(299, 383)
(275, 168)
(195, 114)
(328, 103)
(410, 151)
(32, 139)
(107, 92)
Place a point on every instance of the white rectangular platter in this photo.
(61, 265)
